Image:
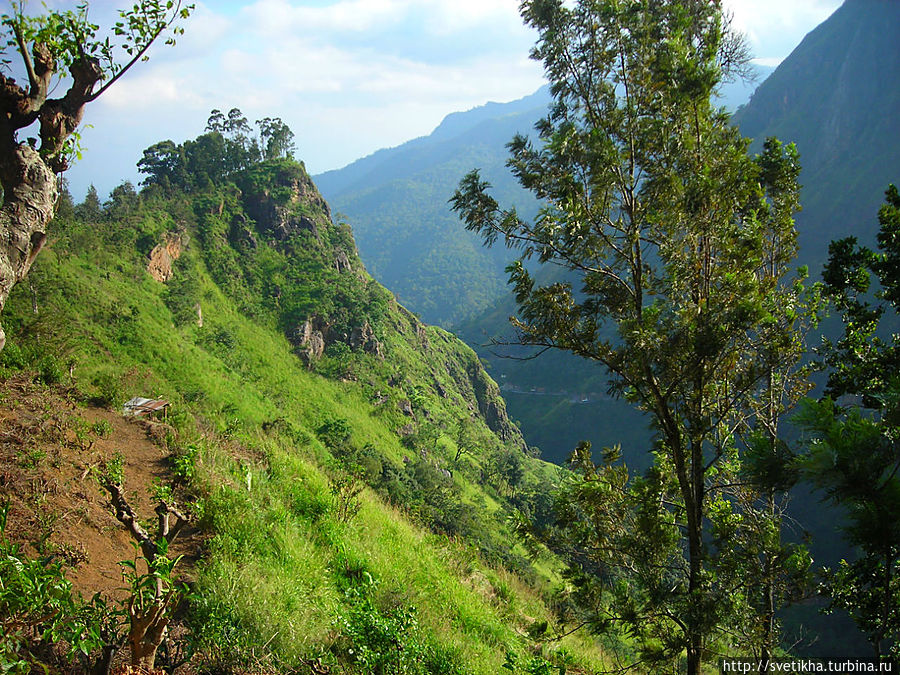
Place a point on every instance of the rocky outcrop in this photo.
(279, 222)
(164, 254)
(242, 234)
(364, 338)
(492, 407)
(315, 334)
(341, 261)
(309, 340)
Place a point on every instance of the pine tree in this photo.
(675, 247)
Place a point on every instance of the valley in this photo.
(598, 380)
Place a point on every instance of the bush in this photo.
(110, 391)
(37, 606)
(49, 370)
(384, 641)
(13, 357)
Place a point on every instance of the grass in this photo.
(284, 580)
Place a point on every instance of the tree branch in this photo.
(23, 50)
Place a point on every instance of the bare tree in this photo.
(152, 601)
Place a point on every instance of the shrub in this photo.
(110, 391)
(382, 641)
(49, 370)
(37, 605)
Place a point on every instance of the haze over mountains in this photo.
(834, 96)
(396, 200)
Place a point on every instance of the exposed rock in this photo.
(164, 254)
(406, 407)
(492, 407)
(407, 429)
(242, 232)
(199, 310)
(305, 191)
(278, 221)
(363, 337)
(341, 261)
(422, 334)
(309, 340)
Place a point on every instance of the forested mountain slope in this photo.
(408, 237)
(347, 470)
(836, 97)
(831, 96)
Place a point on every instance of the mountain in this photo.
(828, 98)
(836, 97)
(346, 472)
(407, 235)
(397, 201)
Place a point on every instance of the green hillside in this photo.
(834, 96)
(349, 471)
(408, 237)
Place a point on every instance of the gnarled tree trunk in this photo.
(28, 175)
(29, 198)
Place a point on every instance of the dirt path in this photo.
(50, 451)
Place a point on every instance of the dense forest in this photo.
(225, 447)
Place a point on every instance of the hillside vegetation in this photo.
(348, 469)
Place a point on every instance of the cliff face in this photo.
(303, 270)
(836, 97)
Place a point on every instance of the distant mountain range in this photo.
(835, 96)
(396, 201)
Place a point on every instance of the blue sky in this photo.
(348, 76)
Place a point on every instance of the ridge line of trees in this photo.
(227, 147)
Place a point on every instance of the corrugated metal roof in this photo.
(138, 406)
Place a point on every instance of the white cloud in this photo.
(348, 76)
(277, 17)
(775, 27)
(454, 15)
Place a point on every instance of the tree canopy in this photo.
(852, 449)
(58, 46)
(227, 147)
(675, 246)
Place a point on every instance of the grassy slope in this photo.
(285, 579)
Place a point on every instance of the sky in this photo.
(348, 76)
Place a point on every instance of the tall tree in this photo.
(675, 244)
(48, 45)
(276, 138)
(854, 450)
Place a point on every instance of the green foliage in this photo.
(110, 390)
(852, 455)
(257, 432)
(226, 149)
(387, 641)
(37, 606)
(531, 665)
(113, 470)
(68, 41)
(854, 460)
(675, 247)
(184, 462)
(345, 491)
